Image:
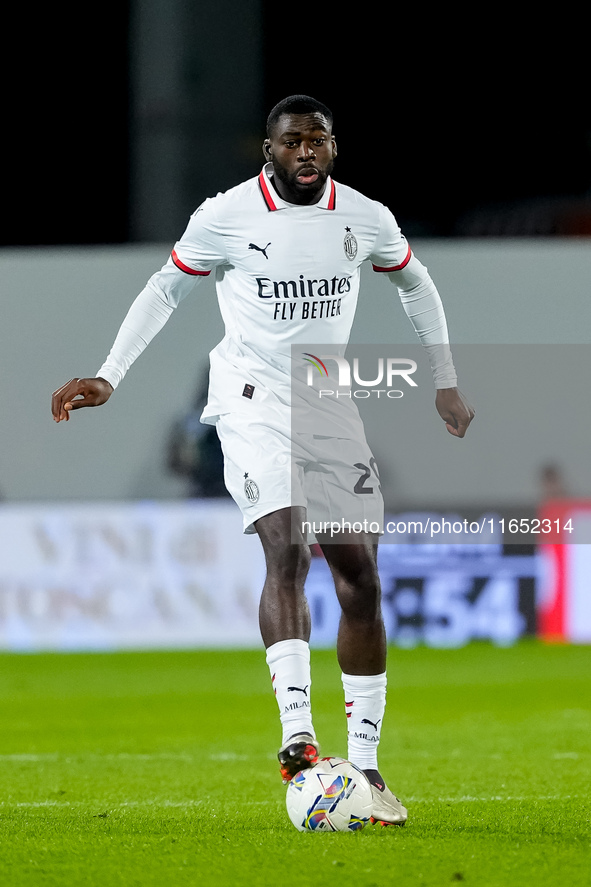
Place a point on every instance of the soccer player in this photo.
(286, 248)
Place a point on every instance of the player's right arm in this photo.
(193, 257)
(79, 393)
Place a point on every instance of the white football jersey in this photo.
(285, 274)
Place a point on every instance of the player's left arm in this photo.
(424, 308)
(454, 409)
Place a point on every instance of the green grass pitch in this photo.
(158, 768)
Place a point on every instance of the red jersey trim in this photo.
(332, 200)
(186, 268)
(397, 267)
(266, 193)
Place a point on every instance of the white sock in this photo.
(365, 702)
(289, 664)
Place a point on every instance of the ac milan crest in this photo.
(350, 244)
(251, 489)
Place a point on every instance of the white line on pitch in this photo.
(132, 756)
(84, 756)
(196, 803)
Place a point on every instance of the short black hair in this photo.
(297, 104)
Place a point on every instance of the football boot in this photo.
(299, 753)
(387, 808)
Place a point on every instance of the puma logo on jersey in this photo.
(303, 690)
(371, 723)
(260, 249)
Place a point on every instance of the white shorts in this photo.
(335, 479)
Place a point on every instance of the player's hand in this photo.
(455, 410)
(78, 393)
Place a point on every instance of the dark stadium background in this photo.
(440, 116)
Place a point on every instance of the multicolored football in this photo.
(332, 796)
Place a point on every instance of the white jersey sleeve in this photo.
(194, 256)
(202, 246)
(419, 296)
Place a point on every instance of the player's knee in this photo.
(359, 592)
(288, 566)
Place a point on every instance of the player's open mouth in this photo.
(307, 176)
